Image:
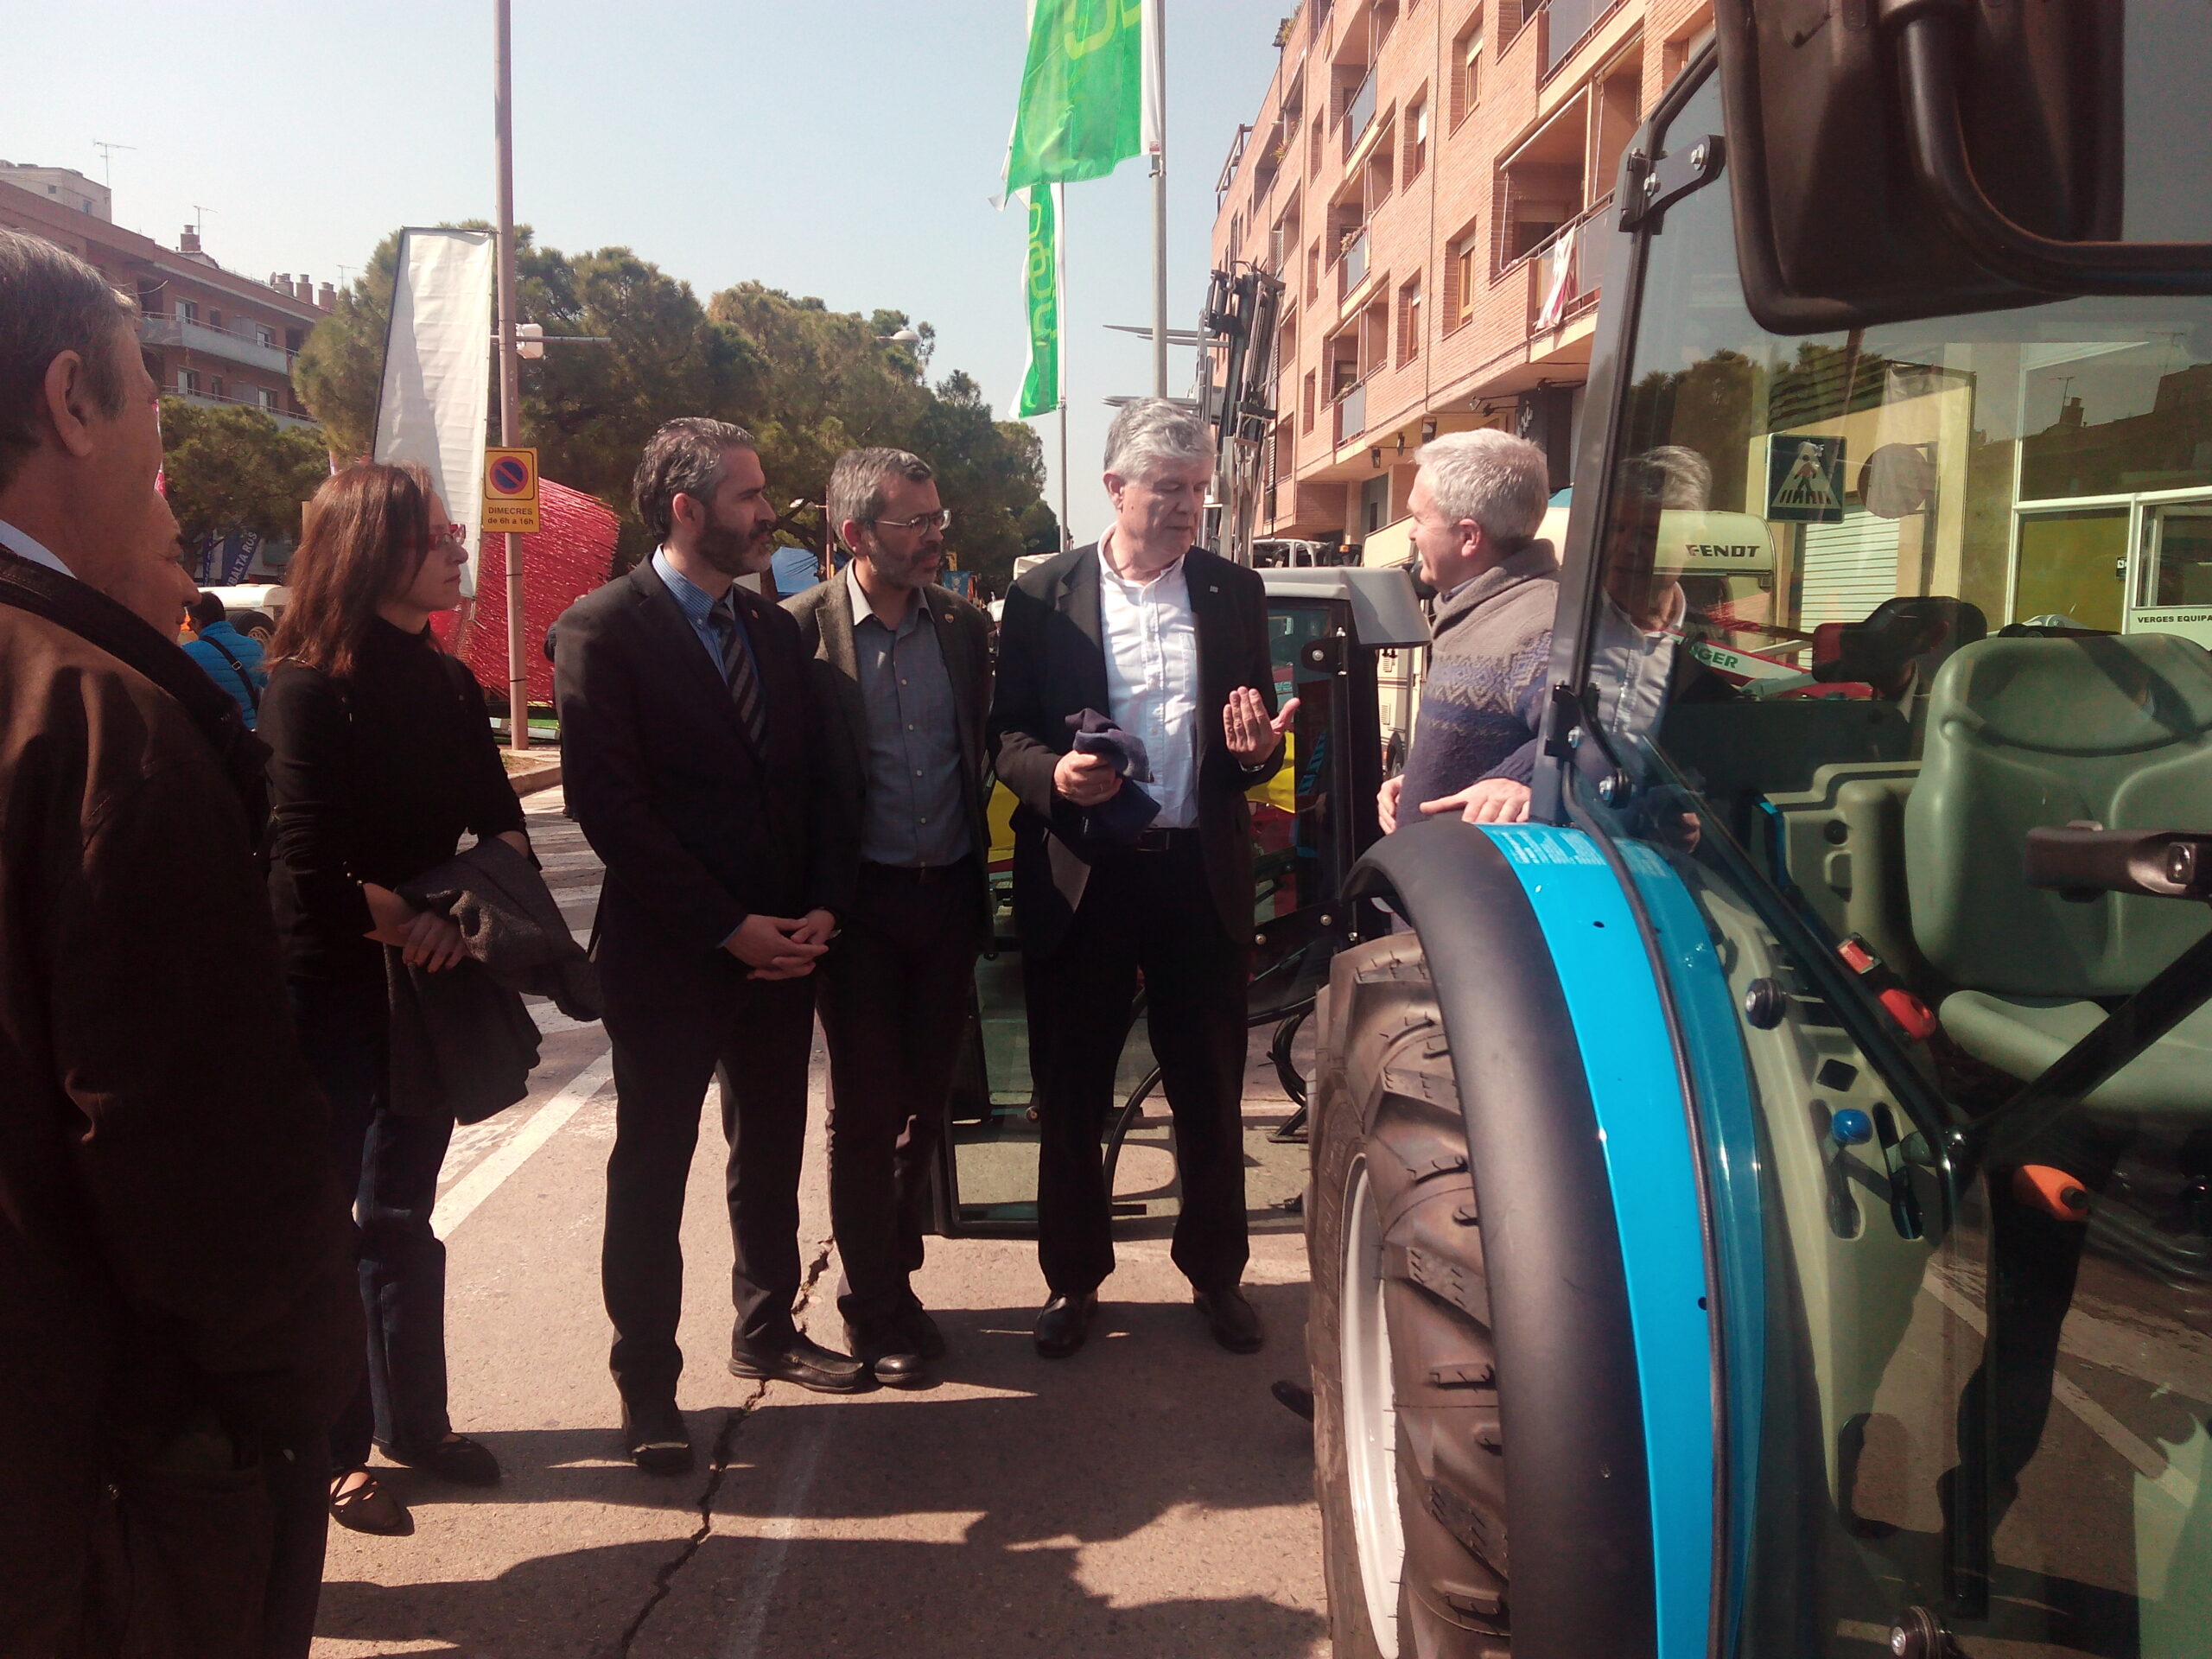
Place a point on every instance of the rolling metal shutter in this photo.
(1850, 569)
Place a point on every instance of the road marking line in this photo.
(776, 1543)
(461, 1198)
(2148, 1462)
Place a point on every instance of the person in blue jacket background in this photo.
(231, 659)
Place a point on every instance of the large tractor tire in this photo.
(1408, 1457)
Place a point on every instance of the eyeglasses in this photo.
(941, 519)
(457, 534)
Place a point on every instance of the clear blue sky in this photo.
(846, 148)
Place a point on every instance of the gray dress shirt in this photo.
(915, 813)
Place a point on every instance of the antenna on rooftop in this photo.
(107, 161)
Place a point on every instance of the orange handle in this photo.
(2052, 1191)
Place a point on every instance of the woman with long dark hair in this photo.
(382, 760)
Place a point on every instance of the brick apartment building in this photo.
(1423, 176)
(209, 335)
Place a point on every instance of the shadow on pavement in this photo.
(964, 1520)
(918, 1601)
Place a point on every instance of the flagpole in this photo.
(1158, 10)
(1060, 320)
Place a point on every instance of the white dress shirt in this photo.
(23, 547)
(1151, 636)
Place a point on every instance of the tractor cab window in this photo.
(1872, 607)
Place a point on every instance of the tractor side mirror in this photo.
(1897, 159)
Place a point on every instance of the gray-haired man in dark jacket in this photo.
(1475, 504)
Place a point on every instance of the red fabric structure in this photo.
(571, 554)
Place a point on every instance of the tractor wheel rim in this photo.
(1371, 1414)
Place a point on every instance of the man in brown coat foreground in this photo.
(177, 1319)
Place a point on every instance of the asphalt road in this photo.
(1147, 1498)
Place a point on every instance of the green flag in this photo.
(1081, 92)
(1040, 387)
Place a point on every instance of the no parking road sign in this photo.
(511, 492)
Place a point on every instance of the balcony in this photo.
(209, 400)
(158, 329)
(1564, 25)
(1352, 269)
(1351, 413)
(1359, 114)
(1563, 270)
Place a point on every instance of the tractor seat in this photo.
(2029, 731)
(2024, 1035)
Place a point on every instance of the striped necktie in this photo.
(737, 669)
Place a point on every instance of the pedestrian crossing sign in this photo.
(511, 492)
(1804, 479)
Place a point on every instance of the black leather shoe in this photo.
(1234, 1321)
(928, 1340)
(891, 1353)
(807, 1363)
(1064, 1324)
(464, 1461)
(654, 1435)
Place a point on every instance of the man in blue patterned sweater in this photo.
(1477, 502)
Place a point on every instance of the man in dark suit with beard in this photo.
(691, 749)
(1168, 643)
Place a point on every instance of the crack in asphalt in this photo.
(733, 1420)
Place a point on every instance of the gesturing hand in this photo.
(1251, 736)
(1085, 779)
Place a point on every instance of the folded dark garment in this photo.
(1094, 733)
(1122, 815)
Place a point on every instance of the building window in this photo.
(1314, 146)
(1416, 140)
(1313, 272)
(217, 388)
(1306, 408)
(263, 336)
(214, 319)
(1462, 258)
(188, 381)
(266, 398)
(1409, 321)
(1687, 45)
(1467, 70)
(189, 310)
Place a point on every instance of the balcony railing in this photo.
(1352, 269)
(217, 400)
(1359, 113)
(1564, 25)
(1352, 413)
(157, 328)
(1563, 269)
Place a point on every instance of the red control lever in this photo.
(1913, 1015)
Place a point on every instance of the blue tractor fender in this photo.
(1579, 1139)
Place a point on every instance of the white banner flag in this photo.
(436, 397)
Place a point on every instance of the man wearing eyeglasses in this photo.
(906, 664)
